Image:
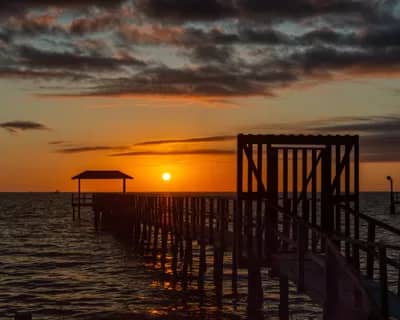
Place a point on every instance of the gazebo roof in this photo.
(101, 174)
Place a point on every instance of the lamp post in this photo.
(392, 203)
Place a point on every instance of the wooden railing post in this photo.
(300, 256)
(331, 284)
(383, 282)
(283, 297)
(202, 259)
(235, 247)
(371, 250)
(286, 223)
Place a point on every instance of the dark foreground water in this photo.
(60, 269)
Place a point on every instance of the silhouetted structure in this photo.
(23, 316)
(393, 200)
(85, 200)
(296, 214)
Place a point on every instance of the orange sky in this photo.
(89, 85)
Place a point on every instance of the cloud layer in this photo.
(379, 136)
(226, 48)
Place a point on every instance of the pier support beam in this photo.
(283, 297)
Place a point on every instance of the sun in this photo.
(166, 176)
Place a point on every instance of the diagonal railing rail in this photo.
(297, 234)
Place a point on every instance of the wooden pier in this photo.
(296, 214)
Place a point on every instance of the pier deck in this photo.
(296, 213)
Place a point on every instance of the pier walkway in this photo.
(296, 214)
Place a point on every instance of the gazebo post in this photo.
(123, 185)
(79, 198)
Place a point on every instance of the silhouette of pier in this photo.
(296, 214)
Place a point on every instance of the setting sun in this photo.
(166, 176)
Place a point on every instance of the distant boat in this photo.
(57, 191)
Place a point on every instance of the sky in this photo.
(154, 86)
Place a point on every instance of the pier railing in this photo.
(178, 230)
(344, 288)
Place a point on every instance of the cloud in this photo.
(328, 59)
(56, 142)
(23, 73)
(70, 61)
(379, 135)
(85, 25)
(21, 6)
(225, 48)
(214, 152)
(187, 140)
(83, 149)
(380, 147)
(18, 125)
(186, 10)
(363, 125)
(204, 10)
(202, 81)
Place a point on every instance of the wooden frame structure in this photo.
(309, 176)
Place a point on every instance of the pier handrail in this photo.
(370, 219)
(379, 250)
(330, 249)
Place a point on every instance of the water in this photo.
(60, 269)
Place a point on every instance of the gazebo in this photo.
(102, 175)
(96, 175)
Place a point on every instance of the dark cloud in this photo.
(197, 36)
(187, 140)
(18, 125)
(22, 6)
(379, 135)
(175, 10)
(382, 36)
(176, 153)
(83, 149)
(5, 36)
(28, 26)
(211, 53)
(361, 125)
(229, 48)
(204, 81)
(326, 36)
(306, 8)
(85, 25)
(70, 61)
(24, 73)
(62, 3)
(56, 142)
(186, 10)
(380, 147)
(328, 59)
